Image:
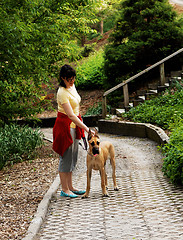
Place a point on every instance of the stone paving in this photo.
(146, 206)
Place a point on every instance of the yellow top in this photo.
(69, 95)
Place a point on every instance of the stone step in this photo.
(136, 102)
(173, 80)
(153, 91)
(167, 79)
(149, 95)
(152, 86)
(141, 92)
(176, 73)
(162, 88)
(119, 111)
(142, 97)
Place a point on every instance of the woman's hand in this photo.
(92, 132)
(68, 110)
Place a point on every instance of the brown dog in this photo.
(96, 159)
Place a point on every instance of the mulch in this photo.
(23, 186)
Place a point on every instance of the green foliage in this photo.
(90, 72)
(109, 13)
(73, 51)
(96, 110)
(109, 21)
(173, 161)
(34, 35)
(166, 111)
(115, 98)
(94, 35)
(87, 50)
(146, 32)
(18, 143)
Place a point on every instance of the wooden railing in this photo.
(124, 84)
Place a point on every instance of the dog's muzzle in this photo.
(95, 151)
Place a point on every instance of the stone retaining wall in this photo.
(133, 129)
(142, 130)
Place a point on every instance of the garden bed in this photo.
(23, 186)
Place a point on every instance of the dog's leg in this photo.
(103, 176)
(113, 173)
(106, 184)
(89, 173)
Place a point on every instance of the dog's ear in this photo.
(96, 132)
(89, 135)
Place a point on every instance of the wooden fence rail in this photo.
(124, 84)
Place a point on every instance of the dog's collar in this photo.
(90, 154)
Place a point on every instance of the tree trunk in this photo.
(83, 41)
(101, 27)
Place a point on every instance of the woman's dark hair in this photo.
(66, 71)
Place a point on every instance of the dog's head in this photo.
(94, 142)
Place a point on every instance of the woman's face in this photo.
(69, 82)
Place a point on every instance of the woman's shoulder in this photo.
(61, 90)
(74, 90)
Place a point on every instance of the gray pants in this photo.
(68, 162)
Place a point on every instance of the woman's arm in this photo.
(68, 110)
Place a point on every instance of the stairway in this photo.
(152, 91)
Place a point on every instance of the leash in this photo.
(85, 144)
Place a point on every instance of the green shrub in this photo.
(93, 35)
(109, 22)
(73, 51)
(89, 48)
(164, 111)
(90, 72)
(146, 32)
(173, 161)
(18, 143)
(96, 110)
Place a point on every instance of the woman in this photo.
(68, 129)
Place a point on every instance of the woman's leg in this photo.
(66, 182)
(70, 182)
(67, 164)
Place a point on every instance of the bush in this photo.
(90, 72)
(89, 48)
(165, 111)
(173, 161)
(73, 51)
(96, 110)
(146, 32)
(18, 143)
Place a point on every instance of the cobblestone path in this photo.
(146, 206)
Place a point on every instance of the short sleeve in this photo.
(62, 96)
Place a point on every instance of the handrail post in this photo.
(104, 107)
(162, 74)
(126, 95)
